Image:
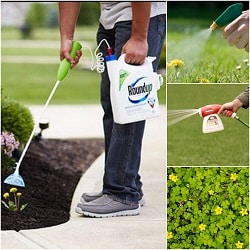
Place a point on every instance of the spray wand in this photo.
(231, 13)
(16, 179)
(234, 115)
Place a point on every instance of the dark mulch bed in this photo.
(51, 169)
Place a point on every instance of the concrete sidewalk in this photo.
(146, 231)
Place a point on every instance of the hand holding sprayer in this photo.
(230, 14)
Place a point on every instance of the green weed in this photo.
(207, 208)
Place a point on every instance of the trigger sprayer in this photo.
(212, 121)
(231, 13)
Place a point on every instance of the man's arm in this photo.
(242, 100)
(68, 14)
(136, 48)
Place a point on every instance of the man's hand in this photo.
(68, 14)
(65, 50)
(136, 48)
(229, 107)
(237, 32)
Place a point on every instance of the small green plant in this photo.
(8, 145)
(13, 205)
(207, 208)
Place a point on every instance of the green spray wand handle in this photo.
(231, 13)
(234, 115)
(65, 64)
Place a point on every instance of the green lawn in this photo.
(86, 33)
(30, 52)
(188, 146)
(31, 82)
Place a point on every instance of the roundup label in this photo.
(137, 97)
(133, 90)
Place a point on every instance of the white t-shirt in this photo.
(113, 12)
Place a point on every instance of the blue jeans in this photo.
(123, 142)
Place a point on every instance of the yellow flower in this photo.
(202, 226)
(173, 177)
(176, 63)
(239, 244)
(202, 80)
(243, 212)
(169, 235)
(233, 177)
(6, 195)
(211, 192)
(218, 210)
(18, 194)
(13, 190)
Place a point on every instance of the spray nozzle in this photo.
(110, 56)
(209, 110)
(109, 51)
(231, 13)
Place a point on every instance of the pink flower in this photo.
(8, 143)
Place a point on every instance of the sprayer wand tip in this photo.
(213, 26)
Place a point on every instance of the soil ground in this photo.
(51, 169)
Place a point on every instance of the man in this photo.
(138, 30)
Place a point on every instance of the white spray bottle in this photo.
(133, 89)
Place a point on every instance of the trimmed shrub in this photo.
(16, 119)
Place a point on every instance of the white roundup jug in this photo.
(133, 89)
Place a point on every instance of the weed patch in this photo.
(207, 208)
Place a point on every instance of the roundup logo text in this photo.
(139, 90)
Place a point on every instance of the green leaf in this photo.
(220, 239)
(5, 204)
(12, 206)
(23, 206)
(225, 204)
(213, 229)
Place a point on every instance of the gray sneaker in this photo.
(106, 206)
(87, 197)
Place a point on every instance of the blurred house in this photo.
(13, 13)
